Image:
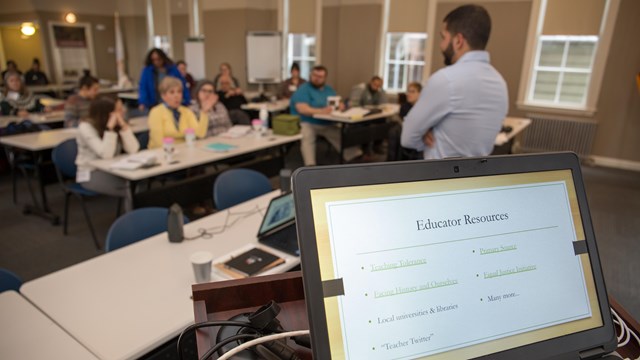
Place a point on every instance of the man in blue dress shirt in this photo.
(311, 99)
(462, 106)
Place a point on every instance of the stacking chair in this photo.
(9, 281)
(64, 158)
(143, 139)
(137, 225)
(238, 185)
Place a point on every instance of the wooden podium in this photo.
(224, 299)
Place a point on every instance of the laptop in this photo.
(490, 258)
(278, 228)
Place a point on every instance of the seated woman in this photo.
(170, 119)
(225, 70)
(289, 86)
(15, 99)
(395, 150)
(97, 139)
(219, 120)
(77, 105)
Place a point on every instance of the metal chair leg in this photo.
(86, 215)
(65, 221)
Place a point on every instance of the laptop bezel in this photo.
(595, 341)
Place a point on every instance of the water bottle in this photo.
(175, 223)
(190, 137)
(264, 116)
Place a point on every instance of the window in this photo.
(302, 49)
(562, 70)
(404, 60)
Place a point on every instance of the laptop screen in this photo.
(280, 211)
(452, 268)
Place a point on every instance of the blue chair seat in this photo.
(238, 185)
(9, 280)
(80, 190)
(137, 225)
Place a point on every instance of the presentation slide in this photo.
(429, 273)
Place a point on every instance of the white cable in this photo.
(625, 332)
(260, 340)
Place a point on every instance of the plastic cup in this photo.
(201, 262)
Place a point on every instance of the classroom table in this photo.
(41, 143)
(271, 106)
(50, 118)
(58, 89)
(27, 333)
(357, 130)
(186, 157)
(125, 303)
(516, 124)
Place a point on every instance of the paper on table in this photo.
(237, 131)
(220, 147)
(353, 113)
(136, 161)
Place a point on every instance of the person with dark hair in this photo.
(368, 94)
(462, 106)
(225, 71)
(102, 135)
(182, 67)
(35, 76)
(289, 86)
(77, 105)
(157, 66)
(15, 99)
(11, 67)
(311, 99)
(219, 120)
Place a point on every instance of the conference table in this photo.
(358, 126)
(41, 143)
(127, 302)
(206, 151)
(27, 333)
(50, 118)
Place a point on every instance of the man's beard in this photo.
(317, 86)
(448, 54)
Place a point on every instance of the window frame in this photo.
(291, 58)
(388, 61)
(562, 69)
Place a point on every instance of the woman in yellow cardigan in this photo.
(170, 119)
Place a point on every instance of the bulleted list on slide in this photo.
(429, 273)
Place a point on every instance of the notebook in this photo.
(278, 228)
(491, 258)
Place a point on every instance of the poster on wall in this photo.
(72, 51)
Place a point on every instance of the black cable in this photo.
(209, 324)
(208, 233)
(224, 342)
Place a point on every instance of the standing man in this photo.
(311, 99)
(461, 109)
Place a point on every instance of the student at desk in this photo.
(170, 119)
(97, 139)
(219, 121)
(77, 105)
(311, 99)
(15, 99)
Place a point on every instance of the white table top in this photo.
(188, 157)
(116, 90)
(131, 95)
(38, 118)
(49, 139)
(28, 334)
(516, 124)
(50, 87)
(125, 303)
(276, 106)
(387, 110)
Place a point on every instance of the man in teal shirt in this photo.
(311, 99)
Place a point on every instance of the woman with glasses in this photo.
(219, 120)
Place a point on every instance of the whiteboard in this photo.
(264, 57)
